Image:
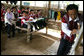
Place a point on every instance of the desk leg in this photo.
(28, 33)
(28, 36)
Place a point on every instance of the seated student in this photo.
(15, 12)
(28, 9)
(3, 11)
(32, 15)
(20, 11)
(39, 14)
(40, 23)
(9, 17)
(24, 19)
(2, 18)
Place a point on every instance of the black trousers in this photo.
(35, 25)
(10, 28)
(55, 17)
(25, 26)
(64, 47)
(41, 23)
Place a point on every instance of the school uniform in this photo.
(24, 24)
(19, 12)
(2, 19)
(34, 23)
(40, 23)
(9, 17)
(67, 39)
(15, 14)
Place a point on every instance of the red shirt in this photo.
(2, 16)
(1, 13)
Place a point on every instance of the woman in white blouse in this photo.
(9, 17)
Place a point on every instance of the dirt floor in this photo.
(41, 44)
(19, 46)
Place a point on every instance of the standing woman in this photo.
(9, 17)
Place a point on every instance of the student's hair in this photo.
(24, 12)
(8, 8)
(31, 10)
(13, 8)
(27, 8)
(23, 7)
(72, 6)
(38, 10)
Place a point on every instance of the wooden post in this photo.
(78, 39)
(58, 5)
(20, 5)
(48, 16)
(79, 42)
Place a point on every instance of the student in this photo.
(15, 12)
(70, 27)
(24, 19)
(28, 9)
(23, 9)
(32, 15)
(40, 23)
(55, 15)
(9, 17)
(39, 14)
(2, 19)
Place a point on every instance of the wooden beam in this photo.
(76, 44)
(20, 4)
(58, 5)
(49, 6)
(79, 42)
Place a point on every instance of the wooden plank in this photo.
(79, 42)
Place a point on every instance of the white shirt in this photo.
(25, 21)
(65, 28)
(9, 18)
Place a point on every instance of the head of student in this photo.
(8, 10)
(32, 11)
(23, 9)
(24, 13)
(72, 11)
(38, 11)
